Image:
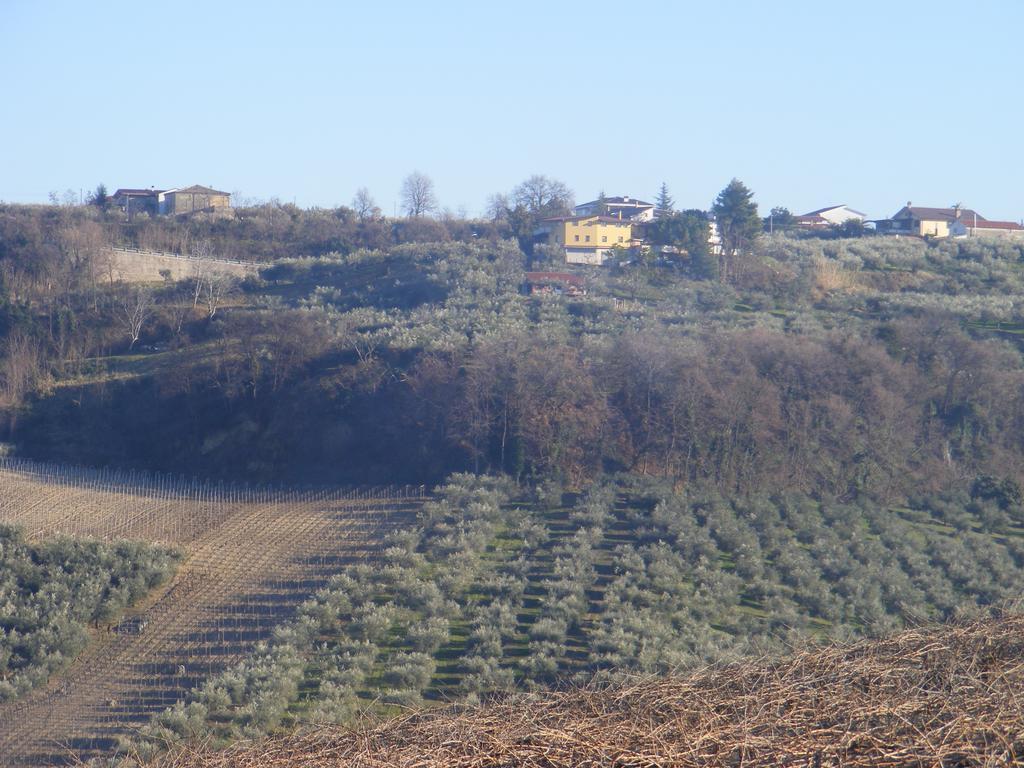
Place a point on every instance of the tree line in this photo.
(840, 415)
(408, 364)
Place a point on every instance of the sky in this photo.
(871, 104)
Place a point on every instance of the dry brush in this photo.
(925, 697)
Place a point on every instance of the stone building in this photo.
(133, 201)
(171, 202)
(192, 200)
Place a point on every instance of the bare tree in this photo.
(200, 272)
(217, 286)
(20, 367)
(201, 251)
(418, 197)
(544, 196)
(364, 205)
(497, 207)
(135, 307)
(105, 264)
(209, 284)
(176, 309)
(81, 246)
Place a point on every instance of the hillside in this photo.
(838, 368)
(249, 557)
(930, 696)
(669, 470)
(491, 593)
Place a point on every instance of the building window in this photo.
(604, 238)
(588, 238)
(620, 238)
(577, 238)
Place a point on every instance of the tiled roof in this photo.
(197, 189)
(125, 191)
(560, 277)
(985, 224)
(938, 214)
(631, 201)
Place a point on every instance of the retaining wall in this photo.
(134, 266)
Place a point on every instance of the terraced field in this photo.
(623, 578)
(252, 557)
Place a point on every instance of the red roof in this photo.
(984, 224)
(605, 219)
(553, 277)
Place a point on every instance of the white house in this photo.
(832, 215)
(625, 208)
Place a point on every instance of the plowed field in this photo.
(251, 559)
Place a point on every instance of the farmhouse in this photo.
(192, 200)
(171, 202)
(586, 239)
(921, 221)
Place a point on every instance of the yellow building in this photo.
(586, 239)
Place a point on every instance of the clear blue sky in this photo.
(809, 103)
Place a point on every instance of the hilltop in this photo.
(941, 695)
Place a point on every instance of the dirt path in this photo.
(242, 577)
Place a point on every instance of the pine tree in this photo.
(100, 198)
(738, 223)
(664, 203)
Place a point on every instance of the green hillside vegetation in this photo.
(51, 591)
(491, 592)
(834, 367)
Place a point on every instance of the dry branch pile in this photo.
(949, 696)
